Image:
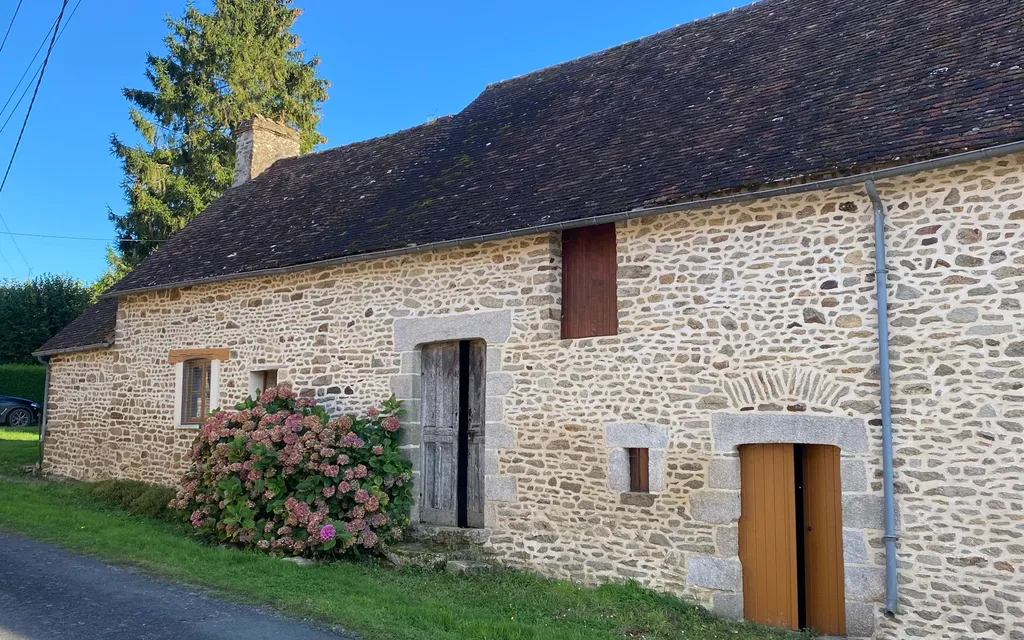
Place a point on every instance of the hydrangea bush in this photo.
(278, 474)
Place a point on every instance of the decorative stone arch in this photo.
(774, 388)
(719, 506)
(494, 328)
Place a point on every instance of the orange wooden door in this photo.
(824, 597)
(767, 535)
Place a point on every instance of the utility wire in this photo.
(17, 104)
(7, 262)
(24, 124)
(28, 68)
(11, 25)
(56, 237)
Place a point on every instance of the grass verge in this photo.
(373, 601)
(19, 446)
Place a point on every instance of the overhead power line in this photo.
(28, 67)
(16, 9)
(24, 124)
(57, 237)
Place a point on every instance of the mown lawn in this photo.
(18, 447)
(374, 601)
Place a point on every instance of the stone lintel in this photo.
(731, 430)
(494, 327)
(636, 435)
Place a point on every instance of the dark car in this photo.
(18, 412)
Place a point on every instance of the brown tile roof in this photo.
(94, 328)
(780, 90)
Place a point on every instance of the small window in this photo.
(589, 269)
(195, 399)
(639, 470)
(260, 381)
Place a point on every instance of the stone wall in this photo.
(765, 307)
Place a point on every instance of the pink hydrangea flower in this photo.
(378, 450)
(327, 533)
(391, 424)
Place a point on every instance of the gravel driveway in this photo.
(46, 592)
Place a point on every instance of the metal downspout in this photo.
(881, 295)
(46, 408)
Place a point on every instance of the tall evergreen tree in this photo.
(221, 69)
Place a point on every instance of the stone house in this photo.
(648, 277)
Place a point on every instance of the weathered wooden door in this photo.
(454, 394)
(440, 433)
(823, 541)
(475, 399)
(767, 535)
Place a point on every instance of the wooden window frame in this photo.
(206, 383)
(639, 469)
(589, 282)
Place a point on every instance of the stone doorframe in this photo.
(719, 506)
(494, 328)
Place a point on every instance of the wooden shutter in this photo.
(589, 300)
(475, 401)
(767, 535)
(639, 470)
(440, 434)
(823, 541)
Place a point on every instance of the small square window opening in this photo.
(639, 470)
(260, 381)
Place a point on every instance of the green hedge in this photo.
(23, 381)
(139, 498)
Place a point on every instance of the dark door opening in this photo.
(801, 583)
(790, 536)
(452, 437)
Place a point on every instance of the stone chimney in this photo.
(258, 144)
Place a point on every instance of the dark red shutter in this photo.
(589, 301)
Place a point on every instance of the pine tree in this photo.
(221, 69)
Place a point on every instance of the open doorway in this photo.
(791, 537)
(454, 394)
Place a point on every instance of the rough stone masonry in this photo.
(763, 309)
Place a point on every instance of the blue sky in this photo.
(391, 65)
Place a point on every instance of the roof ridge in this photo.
(368, 141)
(627, 44)
(749, 97)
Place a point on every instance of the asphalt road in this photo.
(46, 592)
